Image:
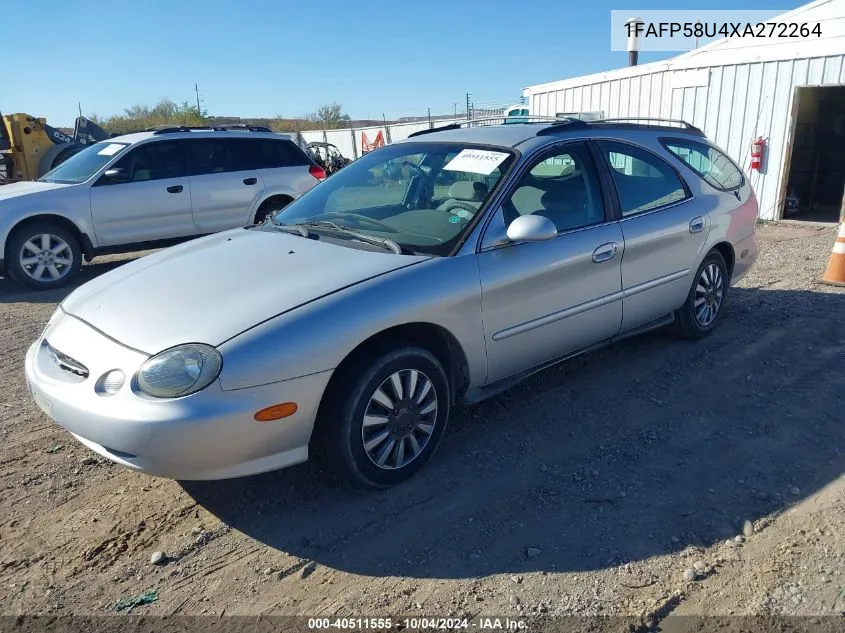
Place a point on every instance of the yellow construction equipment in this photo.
(29, 148)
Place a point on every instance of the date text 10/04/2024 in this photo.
(417, 624)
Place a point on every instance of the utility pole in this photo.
(469, 116)
(197, 90)
(455, 103)
(429, 118)
(386, 129)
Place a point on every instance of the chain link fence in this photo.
(354, 142)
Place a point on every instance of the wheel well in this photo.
(727, 252)
(263, 208)
(84, 240)
(433, 338)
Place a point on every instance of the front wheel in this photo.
(43, 256)
(701, 311)
(383, 424)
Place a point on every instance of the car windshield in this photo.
(421, 196)
(81, 166)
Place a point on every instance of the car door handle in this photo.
(250, 181)
(605, 252)
(696, 225)
(174, 189)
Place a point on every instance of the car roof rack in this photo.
(653, 122)
(173, 129)
(521, 120)
(245, 128)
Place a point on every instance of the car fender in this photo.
(268, 193)
(318, 336)
(14, 215)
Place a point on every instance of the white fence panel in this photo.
(399, 132)
(344, 141)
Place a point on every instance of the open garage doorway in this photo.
(816, 169)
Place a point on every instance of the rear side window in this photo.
(716, 169)
(267, 154)
(643, 181)
(216, 156)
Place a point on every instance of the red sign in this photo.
(367, 146)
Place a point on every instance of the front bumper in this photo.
(208, 435)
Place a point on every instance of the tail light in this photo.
(318, 172)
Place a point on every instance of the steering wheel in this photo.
(378, 224)
(449, 205)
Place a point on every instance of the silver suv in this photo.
(146, 190)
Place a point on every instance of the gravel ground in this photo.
(651, 478)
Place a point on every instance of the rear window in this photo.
(713, 166)
(268, 154)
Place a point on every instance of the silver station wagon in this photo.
(435, 271)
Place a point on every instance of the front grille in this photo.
(65, 362)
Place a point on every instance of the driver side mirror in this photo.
(531, 228)
(114, 176)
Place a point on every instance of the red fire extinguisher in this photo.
(757, 148)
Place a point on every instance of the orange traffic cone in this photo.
(835, 273)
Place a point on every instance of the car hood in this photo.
(213, 288)
(17, 189)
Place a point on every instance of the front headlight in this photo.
(180, 371)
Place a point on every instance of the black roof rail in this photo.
(657, 122)
(172, 129)
(558, 125)
(442, 128)
(246, 128)
(522, 119)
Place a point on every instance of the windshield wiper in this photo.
(295, 229)
(384, 242)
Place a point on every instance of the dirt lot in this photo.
(589, 489)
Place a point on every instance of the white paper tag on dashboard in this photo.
(111, 150)
(476, 161)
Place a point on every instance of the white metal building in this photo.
(790, 91)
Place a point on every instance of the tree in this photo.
(165, 112)
(330, 116)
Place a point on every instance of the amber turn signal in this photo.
(276, 412)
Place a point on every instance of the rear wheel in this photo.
(269, 207)
(42, 256)
(703, 308)
(381, 425)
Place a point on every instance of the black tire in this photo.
(338, 441)
(271, 206)
(688, 322)
(23, 275)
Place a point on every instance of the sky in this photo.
(264, 58)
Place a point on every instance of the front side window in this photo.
(422, 196)
(81, 166)
(563, 187)
(158, 160)
(219, 155)
(643, 180)
(713, 166)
